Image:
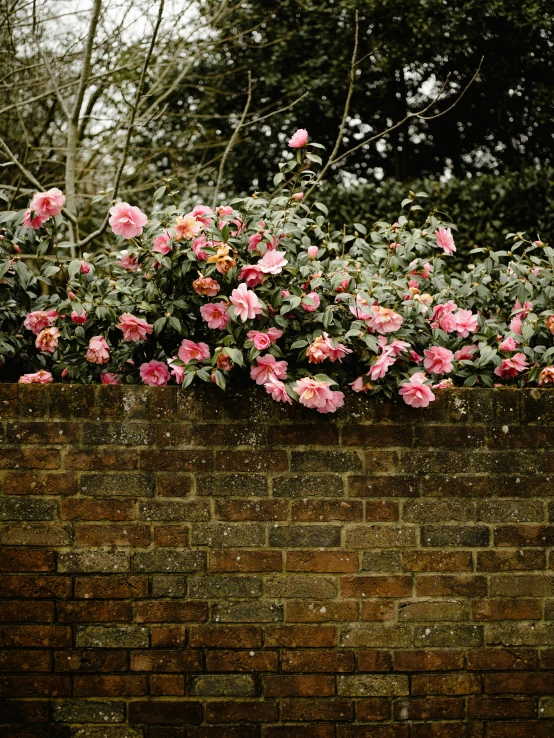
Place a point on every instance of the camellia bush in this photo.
(264, 288)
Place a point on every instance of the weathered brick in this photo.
(382, 486)
(376, 586)
(321, 561)
(173, 510)
(438, 511)
(84, 711)
(433, 611)
(251, 461)
(454, 684)
(173, 585)
(172, 561)
(522, 585)
(216, 685)
(298, 536)
(174, 485)
(35, 534)
(327, 510)
(374, 685)
(332, 461)
(170, 611)
(384, 561)
(436, 561)
(333, 661)
(176, 461)
(91, 561)
(221, 535)
(117, 485)
(449, 435)
(299, 434)
(247, 711)
(520, 634)
(215, 588)
(308, 485)
(40, 483)
(247, 612)
(510, 511)
(506, 609)
(111, 636)
(313, 685)
(313, 711)
(241, 560)
(381, 536)
(28, 508)
(226, 636)
(244, 510)
(118, 534)
(231, 485)
(376, 636)
(305, 636)
(279, 587)
(321, 611)
(455, 535)
(111, 587)
(448, 636)
(432, 708)
(118, 434)
(518, 683)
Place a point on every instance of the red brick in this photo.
(374, 661)
(454, 684)
(511, 560)
(524, 535)
(434, 660)
(172, 434)
(94, 459)
(300, 731)
(94, 611)
(42, 431)
(166, 712)
(111, 587)
(321, 611)
(242, 712)
(173, 485)
(519, 683)
(376, 586)
(506, 609)
(218, 732)
(320, 660)
(84, 509)
(163, 611)
(322, 561)
(30, 458)
(57, 587)
(500, 659)
(168, 636)
(35, 686)
(110, 686)
(528, 729)
(39, 483)
(327, 510)
(242, 661)
(433, 708)
(112, 535)
(456, 585)
(303, 636)
(373, 709)
(167, 685)
(90, 660)
(237, 510)
(183, 461)
(227, 636)
(241, 560)
(39, 636)
(166, 661)
(300, 434)
(447, 730)
(435, 561)
(25, 712)
(173, 536)
(26, 611)
(250, 461)
(382, 487)
(22, 660)
(381, 511)
(377, 611)
(485, 708)
(313, 711)
(373, 731)
(299, 686)
(13, 559)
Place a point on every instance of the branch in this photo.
(85, 70)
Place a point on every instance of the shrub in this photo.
(265, 287)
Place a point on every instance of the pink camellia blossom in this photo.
(443, 317)
(187, 227)
(445, 240)
(298, 196)
(190, 350)
(134, 329)
(466, 353)
(299, 139)
(277, 390)
(38, 320)
(64, 373)
(33, 222)
(313, 393)
(308, 307)
(312, 252)
(47, 339)
(335, 351)
(98, 350)
(215, 314)
(197, 245)
(516, 324)
(466, 323)
(384, 320)
(381, 366)
(252, 275)
(546, 376)
(268, 366)
(127, 220)
(161, 244)
(79, 317)
(204, 214)
(206, 286)
(85, 267)
(438, 360)
(359, 385)
(246, 303)
(549, 323)
(260, 340)
(40, 377)
(508, 344)
(48, 203)
(274, 334)
(512, 367)
(177, 370)
(109, 378)
(154, 373)
(127, 261)
(395, 347)
(333, 403)
(415, 357)
(415, 392)
(254, 241)
(443, 384)
(272, 262)
(523, 310)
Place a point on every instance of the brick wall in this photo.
(200, 565)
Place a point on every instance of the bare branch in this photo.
(85, 69)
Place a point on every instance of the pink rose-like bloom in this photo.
(47, 339)
(516, 324)
(261, 341)
(445, 240)
(444, 384)
(466, 353)
(438, 360)
(358, 385)
(384, 320)
(523, 309)
(254, 241)
(381, 366)
(38, 320)
(277, 390)
(311, 308)
(252, 275)
(98, 350)
(161, 244)
(546, 376)
(299, 139)
(268, 366)
(312, 252)
(82, 318)
(197, 245)
(187, 227)
(333, 403)
(466, 323)
(127, 261)
(272, 262)
(414, 356)
(512, 367)
(177, 370)
(190, 350)
(40, 377)
(85, 267)
(48, 203)
(34, 223)
(313, 393)
(134, 329)
(415, 393)
(298, 196)
(127, 220)
(203, 213)
(508, 344)
(109, 378)
(154, 373)
(206, 286)
(215, 314)
(246, 303)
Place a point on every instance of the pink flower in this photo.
(190, 350)
(48, 203)
(416, 357)
(299, 139)
(312, 252)
(508, 344)
(215, 314)
(546, 376)
(38, 320)
(206, 286)
(511, 367)
(187, 227)
(335, 351)
(384, 320)
(395, 347)
(79, 318)
(277, 390)
(134, 329)
(246, 303)
(313, 393)
(272, 262)
(252, 275)
(308, 307)
(47, 339)
(358, 385)
(438, 360)
(34, 223)
(177, 370)
(516, 324)
(443, 318)
(274, 334)
(268, 366)
(109, 378)
(444, 384)
(254, 241)
(466, 323)
(415, 393)
(85, 267)
(381, 366)
(522, 309)
(465, 353)
(127, 220)
(98, 350)
(260, 340)
(333, 403)
(161, 244)
(445, 240)
(203, 213)
(40, 377)
(197, 248)
(298, 196)
(127, 261)
(154, 373)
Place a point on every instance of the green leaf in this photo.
(322, 207)
(159, 325)
(160, 192)
(360, 228)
